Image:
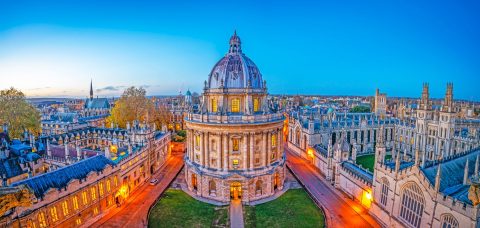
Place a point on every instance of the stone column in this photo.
(244, 150)
(202, 149)
(207, 150)
(225, 151)
(269, 148)
(280, 143)
(263, 151)
(252, 146)
(219, 152)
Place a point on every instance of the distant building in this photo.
(95, 106)
(380, 104)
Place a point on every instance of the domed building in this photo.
(234, 147)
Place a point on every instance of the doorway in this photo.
(236, 191)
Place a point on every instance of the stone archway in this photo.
(235, 190)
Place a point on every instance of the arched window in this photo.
(235, 144)
(274, 140)
(384, 192)
(197, 142)
(214, 105)
(413, 203)
(212, 188)
(235, 105)
(256, 105)
(258, 188)
(304, 142)
(448, 221)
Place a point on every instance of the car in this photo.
(153, 182)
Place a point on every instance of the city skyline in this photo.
(165, 48)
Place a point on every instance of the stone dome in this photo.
(235, 70)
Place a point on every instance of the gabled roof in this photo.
(61, 177)
(97, 103)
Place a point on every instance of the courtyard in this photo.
(368, 161)
(293, 209)
(177, 209)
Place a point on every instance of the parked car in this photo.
(153, 182)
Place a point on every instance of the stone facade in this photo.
(234, 141)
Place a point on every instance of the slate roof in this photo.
(452, 171)
(97, 103)
(359, 172)
(11, 167)
(61, 177)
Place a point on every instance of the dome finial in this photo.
(235, 43)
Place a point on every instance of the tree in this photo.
(18, 114)
(360, 109)
(134, 105)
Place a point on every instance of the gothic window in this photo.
(384, 192)
(258, 188)
(75, 202)
(412, 205)
(65, 208)
(41, 220)
(108, 185)
(84, 198)
(297, 136)
(235, 105)
(212, 188)
(448, 221)
(236, 144)
(214, 105)
(115, 181)
(53, 213)
(93, 192)
(256, 105)
(100, 188)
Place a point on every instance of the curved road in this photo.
(134, 212)
(340, 211)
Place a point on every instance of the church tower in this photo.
(91, 90)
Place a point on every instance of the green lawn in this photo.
(292, 209)
(367, 161)
(177, 209)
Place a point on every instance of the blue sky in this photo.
(54, 48)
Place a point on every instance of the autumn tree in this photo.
(17, 113)
(134, 105)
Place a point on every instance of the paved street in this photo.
(134, 212)
(340, 210)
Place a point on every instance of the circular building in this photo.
(234, 147)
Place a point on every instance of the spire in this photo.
(91, 89)
(417, 157)
(235, 44)
(438, 177)
(465, 173)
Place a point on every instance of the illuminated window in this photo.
(65, 208)
(256, 105)
(75, 202)
(84, 198)
(30, 224)
(78, 221)
(274, 140)
(235, 144)
(95, 210)
(214, 105)
(53, 213)
(235, 162)
(93, 192)
(100, 188)
(41, 220)
(236, 105)
(115, 181)
(108, 185)
(197, 142)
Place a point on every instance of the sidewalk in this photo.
(236, 214)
